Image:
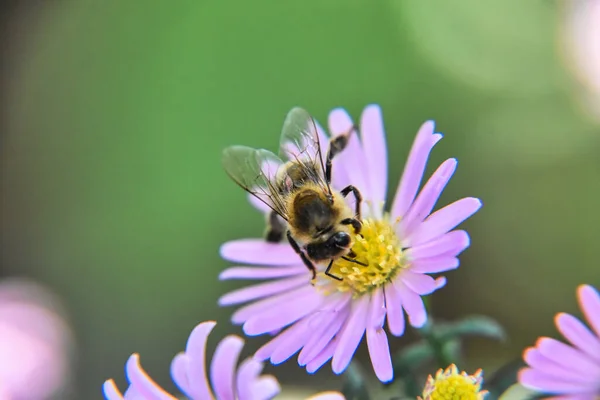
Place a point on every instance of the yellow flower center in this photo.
(452, 385)
(379, 258)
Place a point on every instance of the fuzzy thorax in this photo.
(379, 248)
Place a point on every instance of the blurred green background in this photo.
(115, 114)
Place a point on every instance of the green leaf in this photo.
(411, 357)
(355, 384)
(475, 325)
(503, 379)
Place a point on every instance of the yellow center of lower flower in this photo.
(452, 385)
(379, 256)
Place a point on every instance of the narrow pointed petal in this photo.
(421, 284)
(589, 301)
(322, 357)
(279, 301)
(264, 323)
(413, 304)
(434, 265)
(451, 244)
(143, 384)
(379, 352)
(567, 355)
(414, 169)
(223, 365)
(353, 155)
(377, 309)
(110, 391)
(443, 221)
(266, 351)
(247, 374)
(427, 198)
(373, 141)
(537, 360)
(257, 251)
(322, 335)
(579, 335)
(266, 387)
(179, 367)
(537, 380)
(196, 352)
(262, 290)
(261, 272)
(351, 335)
(395, 313)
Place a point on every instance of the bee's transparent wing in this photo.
(255, 171)
(300, 141)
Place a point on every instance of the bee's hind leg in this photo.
(336, 145)
(299, 251)
(275, 228)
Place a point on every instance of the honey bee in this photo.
(315, 218)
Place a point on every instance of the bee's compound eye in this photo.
(341, 239)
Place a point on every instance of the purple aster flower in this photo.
(327, 319)
(569, 371)
(188, 371)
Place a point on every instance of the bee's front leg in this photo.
(299, 251)
(357, 196)
(356, 224)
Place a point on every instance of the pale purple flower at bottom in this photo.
(189, 372)
(568, 371)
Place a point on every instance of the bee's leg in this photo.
(352, 260)
(299, 251)
(329, 274)
(336, 145)
(357, 196)
(356, 224)
(275, 228)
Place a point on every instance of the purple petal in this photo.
(327, 326)
(395, 314)
(351, 335)
(538, 361)
(179, 367)
(247, 375)
(269, 321)
(434, 264)
(419, 283)
(133, 394)
(568, 356)
(297, 333)
(277, 302)
(143, 384)
(589, 301)
(266, 387)
(195, 351)
(322, 357)
(427, 198)
(539, 381)
(353, 155)
(412, 303)
(376, 313)
(379, 352)
(262, 290)
(294, 343)
(373, 141)
(260, 272)
(222, 367)
(443, 221)
(579, 335)
(451, 244)
(258, 251)
(414, 169)
(110, 391)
